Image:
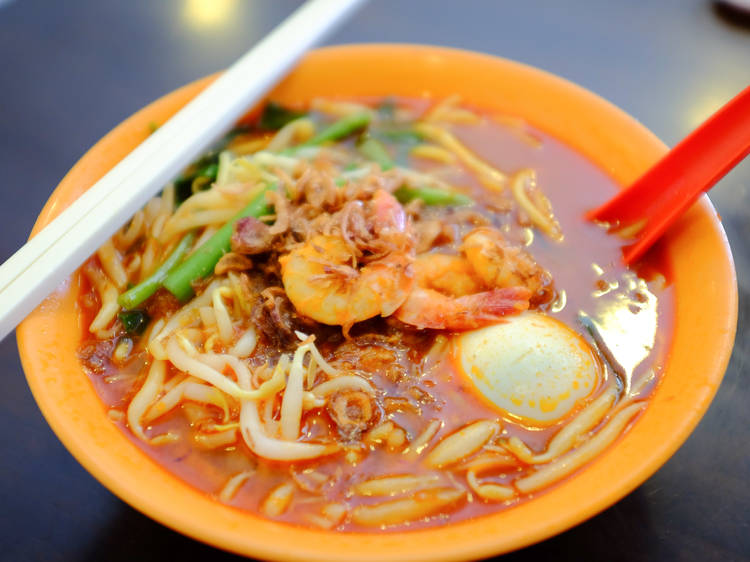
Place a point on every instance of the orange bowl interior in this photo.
(705, 295)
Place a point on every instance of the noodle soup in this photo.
(409, 324)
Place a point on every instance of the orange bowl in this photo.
(704, 326)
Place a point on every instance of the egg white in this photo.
(532, 367)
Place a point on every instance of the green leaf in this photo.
(275, 116)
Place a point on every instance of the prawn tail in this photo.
(489, 307)
(426, 308)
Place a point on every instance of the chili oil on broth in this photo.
(420, 385)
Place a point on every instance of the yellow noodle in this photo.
(233, 484)
(112, 264)
(115, 415)
(564, 465)
(571, 433)
(133, 266)
(271, 160)
(278, 500)
(396, 438)
(394, 485)
(447, 112)
(330, 515)
(419, 178)
(239, 296)
(127, 236)
(490, 175)
(212, 207)
(423, 439)
(433, 152)
(422, 504)
(164, 438)
(152, 209)
(158, 225)
(340, 108)
(148, 259)
(249, 146)
(379, 433)
(545, 222)
(217, 439)
(488, 461)
(223, 174)
(292, 133)
(489, 491)
(223, 321)
(434, 113)
(460, 116)
(167, 199)
(309, 480)
(204, 217)
(107, 311)
(462, 443)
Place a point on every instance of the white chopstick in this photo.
(36, 269)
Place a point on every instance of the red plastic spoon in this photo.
(644, 210)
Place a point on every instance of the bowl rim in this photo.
(613, 140)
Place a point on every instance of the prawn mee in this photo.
(374, 314)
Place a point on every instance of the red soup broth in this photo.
(573, 185)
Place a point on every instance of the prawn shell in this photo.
(321, 283)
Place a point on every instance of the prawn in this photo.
(325, 280)
(446, 273)
(448, 295)
(427, 308)
(499, 264)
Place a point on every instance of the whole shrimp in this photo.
(500, 264)
(488, 281)
(326, 279)
(448, 295)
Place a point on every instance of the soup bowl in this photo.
(695, 249)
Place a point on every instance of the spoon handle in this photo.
(670, 187)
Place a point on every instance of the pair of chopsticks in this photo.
(36, 269)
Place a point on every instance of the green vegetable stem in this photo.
(138, 294)
(336, 130)
(373, 149)
(431, 196)
(201, 263)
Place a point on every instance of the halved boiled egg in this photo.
(532, 367)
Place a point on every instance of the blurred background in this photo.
(70, 71)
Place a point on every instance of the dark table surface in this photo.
(71, 70)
